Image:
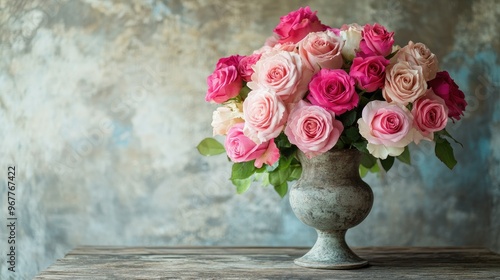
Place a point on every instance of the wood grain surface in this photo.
(269, 263)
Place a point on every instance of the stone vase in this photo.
(331, 197)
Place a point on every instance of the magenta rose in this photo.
(283, 73)
(333, 89)
(445, 87)
(264, 114)
(369, 72)
(430, 114)
(245, 67)
(387, 128)
(321, 50)
(223, 84)
(297, 24)
(313, 129)
(233, 60)
(240, 148)
(376, 40)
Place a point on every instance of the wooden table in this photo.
(269, 263)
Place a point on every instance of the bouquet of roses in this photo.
(313, 88)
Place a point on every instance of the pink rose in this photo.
(265, 115)
(321, 50)
(386, 127)
(369, 72)
(233, 60)
(245, 67)
(283, 73)
(430, 114)
(313, 129)
(420, 55)
(404, 83)
(297, 24)
(333, 89)
(240, 148)
(445, 87)
(223, 84)
(376, 40)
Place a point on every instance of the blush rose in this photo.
(265, 115)
(404, 83)
(240, 148)
(313, 129)
(283, 73)
(419, 54)
(321, 50)
(430, 114)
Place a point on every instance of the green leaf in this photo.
(296, 172)
(281, 189)
(244, 92)
(405, 156)
(348, 118)
(210, 146)
(242, 185)
(445, 133)
(352, 133)
(279, 176)
(444, 152)
(367, 160)
(362, 171)
(282, 141)
(242, 170)
(375, 168)
(387, 163)
(361, 146)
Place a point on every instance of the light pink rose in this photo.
(333, 89)
(351, 34)
(386, 127)
(445, 87)
(283, 73)
(240, 148)
(404, 83)
(265, 115)
(313, 129)
(225, 117)
(321, 50)
(245, 67)
(369, 72)
(430, 114)
(223, 84)
(297, 24)
(420, 55)
(376, 40)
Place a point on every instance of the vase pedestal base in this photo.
(331, 252)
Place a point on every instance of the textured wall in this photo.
(102, 104)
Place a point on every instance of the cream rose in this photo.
(225, 117)
(404, 83)
(351, 34)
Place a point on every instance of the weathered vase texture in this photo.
(331, 197)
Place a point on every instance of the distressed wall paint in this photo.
(102, 104)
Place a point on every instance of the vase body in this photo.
(331, 197)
